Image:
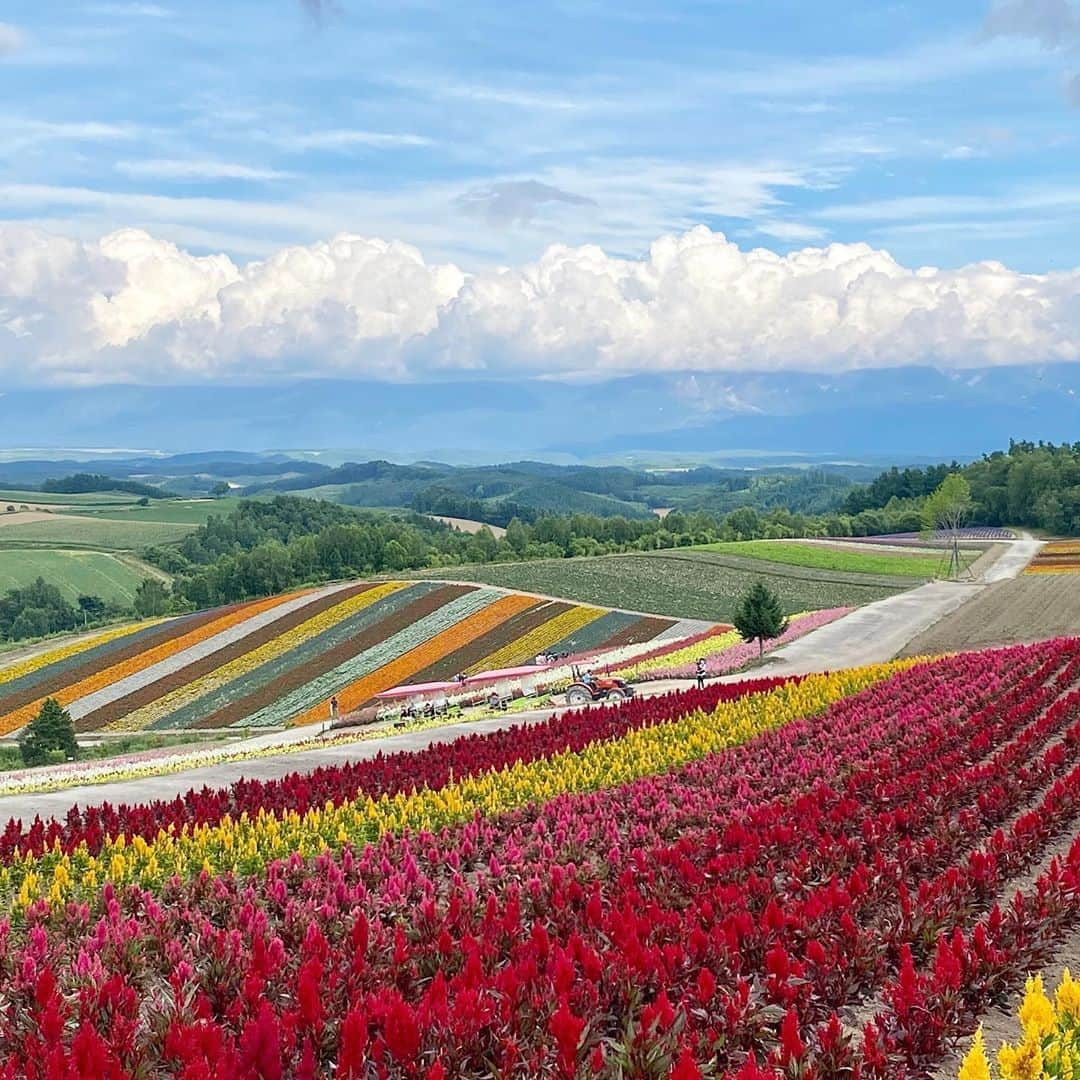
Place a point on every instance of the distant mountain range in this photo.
(900, 414)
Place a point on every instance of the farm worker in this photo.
(333, 707)
(701, 673)
(587, 678)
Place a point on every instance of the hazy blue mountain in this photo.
(903, 413)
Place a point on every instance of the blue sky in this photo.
(484, 131)
(555, 189)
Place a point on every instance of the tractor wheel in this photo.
(616, 695)
(578, 695)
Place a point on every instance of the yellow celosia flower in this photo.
(1067, 998)
(1023, 1062)
(975, 1066)
(1037, 1014)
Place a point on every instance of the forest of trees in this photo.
(87, 483)
(1032, 484)
(39, 609)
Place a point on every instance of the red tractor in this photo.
(590, 688)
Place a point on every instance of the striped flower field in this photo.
(832, 875)
(279, 661)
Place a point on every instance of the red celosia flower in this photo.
(685, 1068)
(566, 1028)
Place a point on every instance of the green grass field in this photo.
(820, 557)
(69, 530)
(172, 512)
(685, 583)
(72, 572)
(48, 498)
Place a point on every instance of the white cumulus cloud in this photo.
(133, 307)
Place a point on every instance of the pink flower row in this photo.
(736, 656)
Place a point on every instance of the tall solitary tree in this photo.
(50, 730)
(946, 510)
(760, 616)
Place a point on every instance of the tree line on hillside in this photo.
(90, 483)
(714, 491)
(264, 547)
(40, 609)
(1032, 484)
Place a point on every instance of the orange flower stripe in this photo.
(431, 651)
(144, 660)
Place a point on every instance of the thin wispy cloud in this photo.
(929, 207)
(19, 133)
(194, 170)
(344, 139)
(851, 74)
(132, 11)
(793, 231)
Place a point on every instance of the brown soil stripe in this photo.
(643, 630)
(290, 680)
(516, 627)
(15, 700)
(165, 685)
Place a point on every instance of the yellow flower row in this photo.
(249, 843)
(687, 655)
(536, 641)
(1051, 1043)
(52, 656)
(1061, 547)
(271, 650)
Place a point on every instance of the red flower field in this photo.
(831, 897)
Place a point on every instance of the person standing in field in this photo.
(701, 673)
(333, 708)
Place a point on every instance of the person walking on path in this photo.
(701, 673)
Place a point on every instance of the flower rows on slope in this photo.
(191, 692)
(730, 653)
(250, 842)
(84, 644)
(433, 767)
(712, 918)
(419, 647)
(109, 676)
(538, 640)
